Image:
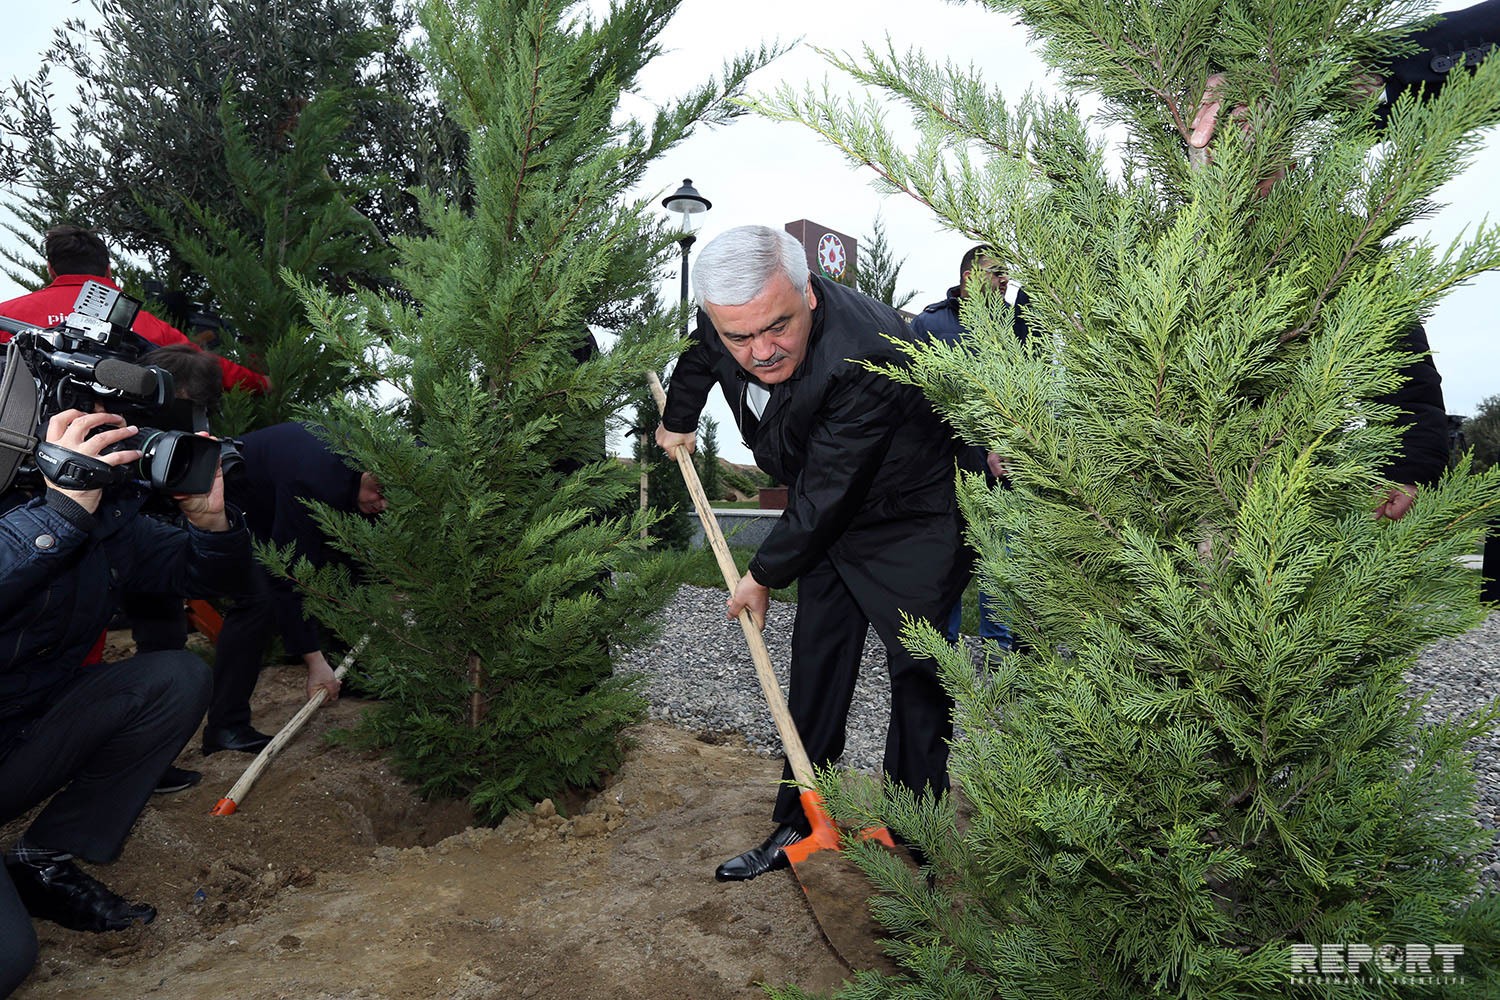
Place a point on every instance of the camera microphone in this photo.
(113, 373)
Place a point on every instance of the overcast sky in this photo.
(756, 171)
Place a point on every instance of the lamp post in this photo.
(687, 205)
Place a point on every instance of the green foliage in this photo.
(32, 214)
(1482, 431)
(502, 575)
(145, 132)
(1212, 755)
(710, 472)
(666, 493)
(746, 480)
(879, 270)
(306, 227)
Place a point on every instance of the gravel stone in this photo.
(697, 676)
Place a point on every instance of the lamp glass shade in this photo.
(687, 206)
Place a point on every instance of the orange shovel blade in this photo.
(824, 835)
(837, 890)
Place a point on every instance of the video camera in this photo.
(92, 357)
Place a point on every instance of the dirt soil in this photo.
(334, 881)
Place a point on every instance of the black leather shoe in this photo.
(176, 779)
(61, 892)
(768, 857)
(243, 738)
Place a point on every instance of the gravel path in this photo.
(698, 677)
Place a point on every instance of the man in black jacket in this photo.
(871, 527)
(98, 736)
(284, 467)
(1456, 41)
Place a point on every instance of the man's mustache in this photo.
(773, 359)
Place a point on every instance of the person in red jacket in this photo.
(76, 255)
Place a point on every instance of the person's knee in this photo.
(180, 682)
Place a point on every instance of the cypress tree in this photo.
(1210, 763)
(305, 225)
(501, 578)
(1482, 431)
(710, 472)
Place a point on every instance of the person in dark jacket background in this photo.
(871, 527)
(284, 466)
(97, 736)
(941, 321)
(1457, 40)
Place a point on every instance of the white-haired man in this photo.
(871, 527)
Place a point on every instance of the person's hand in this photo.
(1361, 88)
(206, 510)
(71, 429)
(1207, 117)
(750, 594)
(996, 465)
(1397, 502)
(320, 676)
(667, 440)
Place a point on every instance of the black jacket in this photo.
(284, 465)
(1457, 40)
(940, 320)
(1423, 453)
(64, 570)
(857, 450)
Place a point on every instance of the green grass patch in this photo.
(699, 568)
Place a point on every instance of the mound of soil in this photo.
(334, 881)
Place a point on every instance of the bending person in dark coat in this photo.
(871, 527)
(284, 466)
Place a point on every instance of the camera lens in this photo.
(172, 461)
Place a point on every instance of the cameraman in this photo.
(98, 737)
(76, 255)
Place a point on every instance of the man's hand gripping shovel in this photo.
(837, 893)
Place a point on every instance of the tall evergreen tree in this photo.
(710, 472)
(305, 226)
(1483, 433)
(879, 270)
(496, 584)
(1211, 760)
(144, 132)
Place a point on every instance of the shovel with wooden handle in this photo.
(836, 892)
(229, 803)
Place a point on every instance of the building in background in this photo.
(830, 253)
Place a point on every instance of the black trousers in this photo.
(249, 623)
(836, 602)
(101, 749)
(157, 621)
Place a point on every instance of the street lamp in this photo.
(687, 205)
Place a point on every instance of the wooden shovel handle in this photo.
(229, 803)
(791, 742)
